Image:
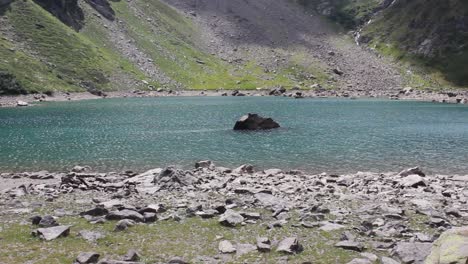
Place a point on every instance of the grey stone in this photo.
(386, 260)
(124, 225)
(231, 218)
(412, 171)
(255, 122)
(360, 261)
(226, 247)
(132, 255)
(125, 214)
(52, 233)
(409, 252)
(98, 211)
(48, 221)
(350, 245)
(289, 245)
(88, 258)
(450, 248)
(263, 244)
(90, 236)
(412, 181)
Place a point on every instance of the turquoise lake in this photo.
(317, 135)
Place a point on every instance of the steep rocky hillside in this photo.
(100, 45)
(428, 36)
(428, 33)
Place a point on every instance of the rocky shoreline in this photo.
(453, 97)
(244, 215)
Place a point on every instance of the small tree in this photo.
(9, 85)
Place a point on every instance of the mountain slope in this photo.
(97, 45)
(428, 36)
(432, 34)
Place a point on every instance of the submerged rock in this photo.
(255, 122)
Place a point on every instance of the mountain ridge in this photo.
(100, 45)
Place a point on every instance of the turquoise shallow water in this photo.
(332, 135)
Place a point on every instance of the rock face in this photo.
(450, 248)
(255, 122)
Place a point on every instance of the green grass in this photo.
(46, 55)
(56, 57)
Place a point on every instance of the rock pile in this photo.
(373, 211)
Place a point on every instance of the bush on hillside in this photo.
(9, 85)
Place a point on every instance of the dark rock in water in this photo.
(255, 122)
(87, 258)
(125, 214)
(52, 233)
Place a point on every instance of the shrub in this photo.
(9, 85)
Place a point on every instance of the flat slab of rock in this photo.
(255, 122)
(350, 245)
(409, 252)
(52, 233)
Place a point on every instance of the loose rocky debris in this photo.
(398, 214)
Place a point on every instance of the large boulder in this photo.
(172, 178)
(450, 248)
(255, 122)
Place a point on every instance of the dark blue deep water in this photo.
(333, 135)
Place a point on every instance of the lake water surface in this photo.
(333, 135)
